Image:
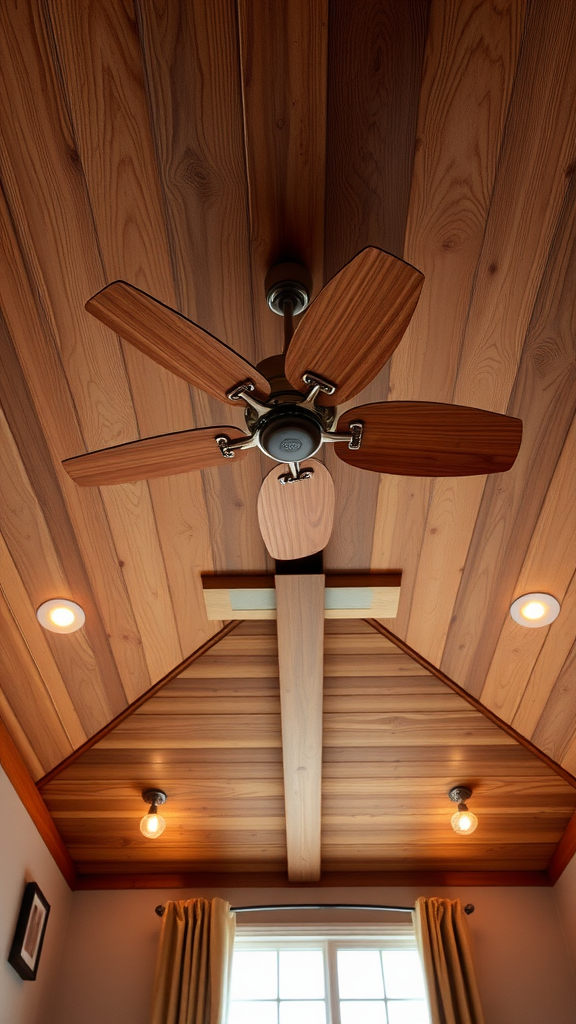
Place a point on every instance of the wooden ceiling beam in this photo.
(283, 57)
(300, 601)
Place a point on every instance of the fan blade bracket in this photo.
(243, 393)
(295, 473)
(228, 446)
(352, 439)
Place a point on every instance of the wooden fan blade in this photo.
(165, 455)
(296, 518)
(174, 342)
(353, 326)
(431, 439)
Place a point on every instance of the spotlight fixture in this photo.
(535, 610)
(463, 821)
(153, 824)
(60, 615)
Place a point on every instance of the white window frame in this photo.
(329, 938)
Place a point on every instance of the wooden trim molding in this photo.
(142, 699)
(25, 787)
(278, 880)
(474, 702)
(564, 852)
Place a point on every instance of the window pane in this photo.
(359, 974)
(253, 1013)
(254, 975)
(303, 1013)
(362, 1013)
(403, 976)
(301, 974)
(408, 1012)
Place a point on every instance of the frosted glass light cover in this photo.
(60, 615)
(152, 826)
(534, 610)
(464, 822)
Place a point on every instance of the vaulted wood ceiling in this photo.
(185, 148)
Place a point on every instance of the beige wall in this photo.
(24, 858)
(522, 962)
(565, 897)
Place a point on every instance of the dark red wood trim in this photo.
(474, 702)
(265, 581)
(278, 880)
(25, 787)
(564, 852)
(142, 699)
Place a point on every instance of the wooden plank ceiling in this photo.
(185, 148)
(395, 740)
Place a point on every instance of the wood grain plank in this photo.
(24, 615)
(31, 486)
(20, 778)
(127, 712)
(196, 117)
(100, 63)
(545, 397)
(27, 695)
(37, 557)
(546, 669)
(191, 61)
(37, 355)
(538, 149)
(374, 70)
(92, 880)
(283, 66)
(487, 712)
(550, 564)
(300, 656)
(469, 68)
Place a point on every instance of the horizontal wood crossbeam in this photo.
(348, 595)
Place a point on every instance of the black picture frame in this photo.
(24, 955)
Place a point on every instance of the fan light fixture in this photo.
(152, 824)
(463, 821)
(60, 615)
(534, 610)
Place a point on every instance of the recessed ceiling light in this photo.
(60, 615)
(535, 610)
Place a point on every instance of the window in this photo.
(337, 975)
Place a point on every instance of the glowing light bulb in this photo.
(62, 616)
(152, 826)
(464, 822)
(533, 610)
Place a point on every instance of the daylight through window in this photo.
(295, 978)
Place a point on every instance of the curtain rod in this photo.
(468, 909)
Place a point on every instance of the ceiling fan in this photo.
(346, 336)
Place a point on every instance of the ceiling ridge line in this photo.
(474, 702)
(128, 711)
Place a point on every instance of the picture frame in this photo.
(26, 948)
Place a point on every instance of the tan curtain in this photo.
(194, 963)
(443, 941)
